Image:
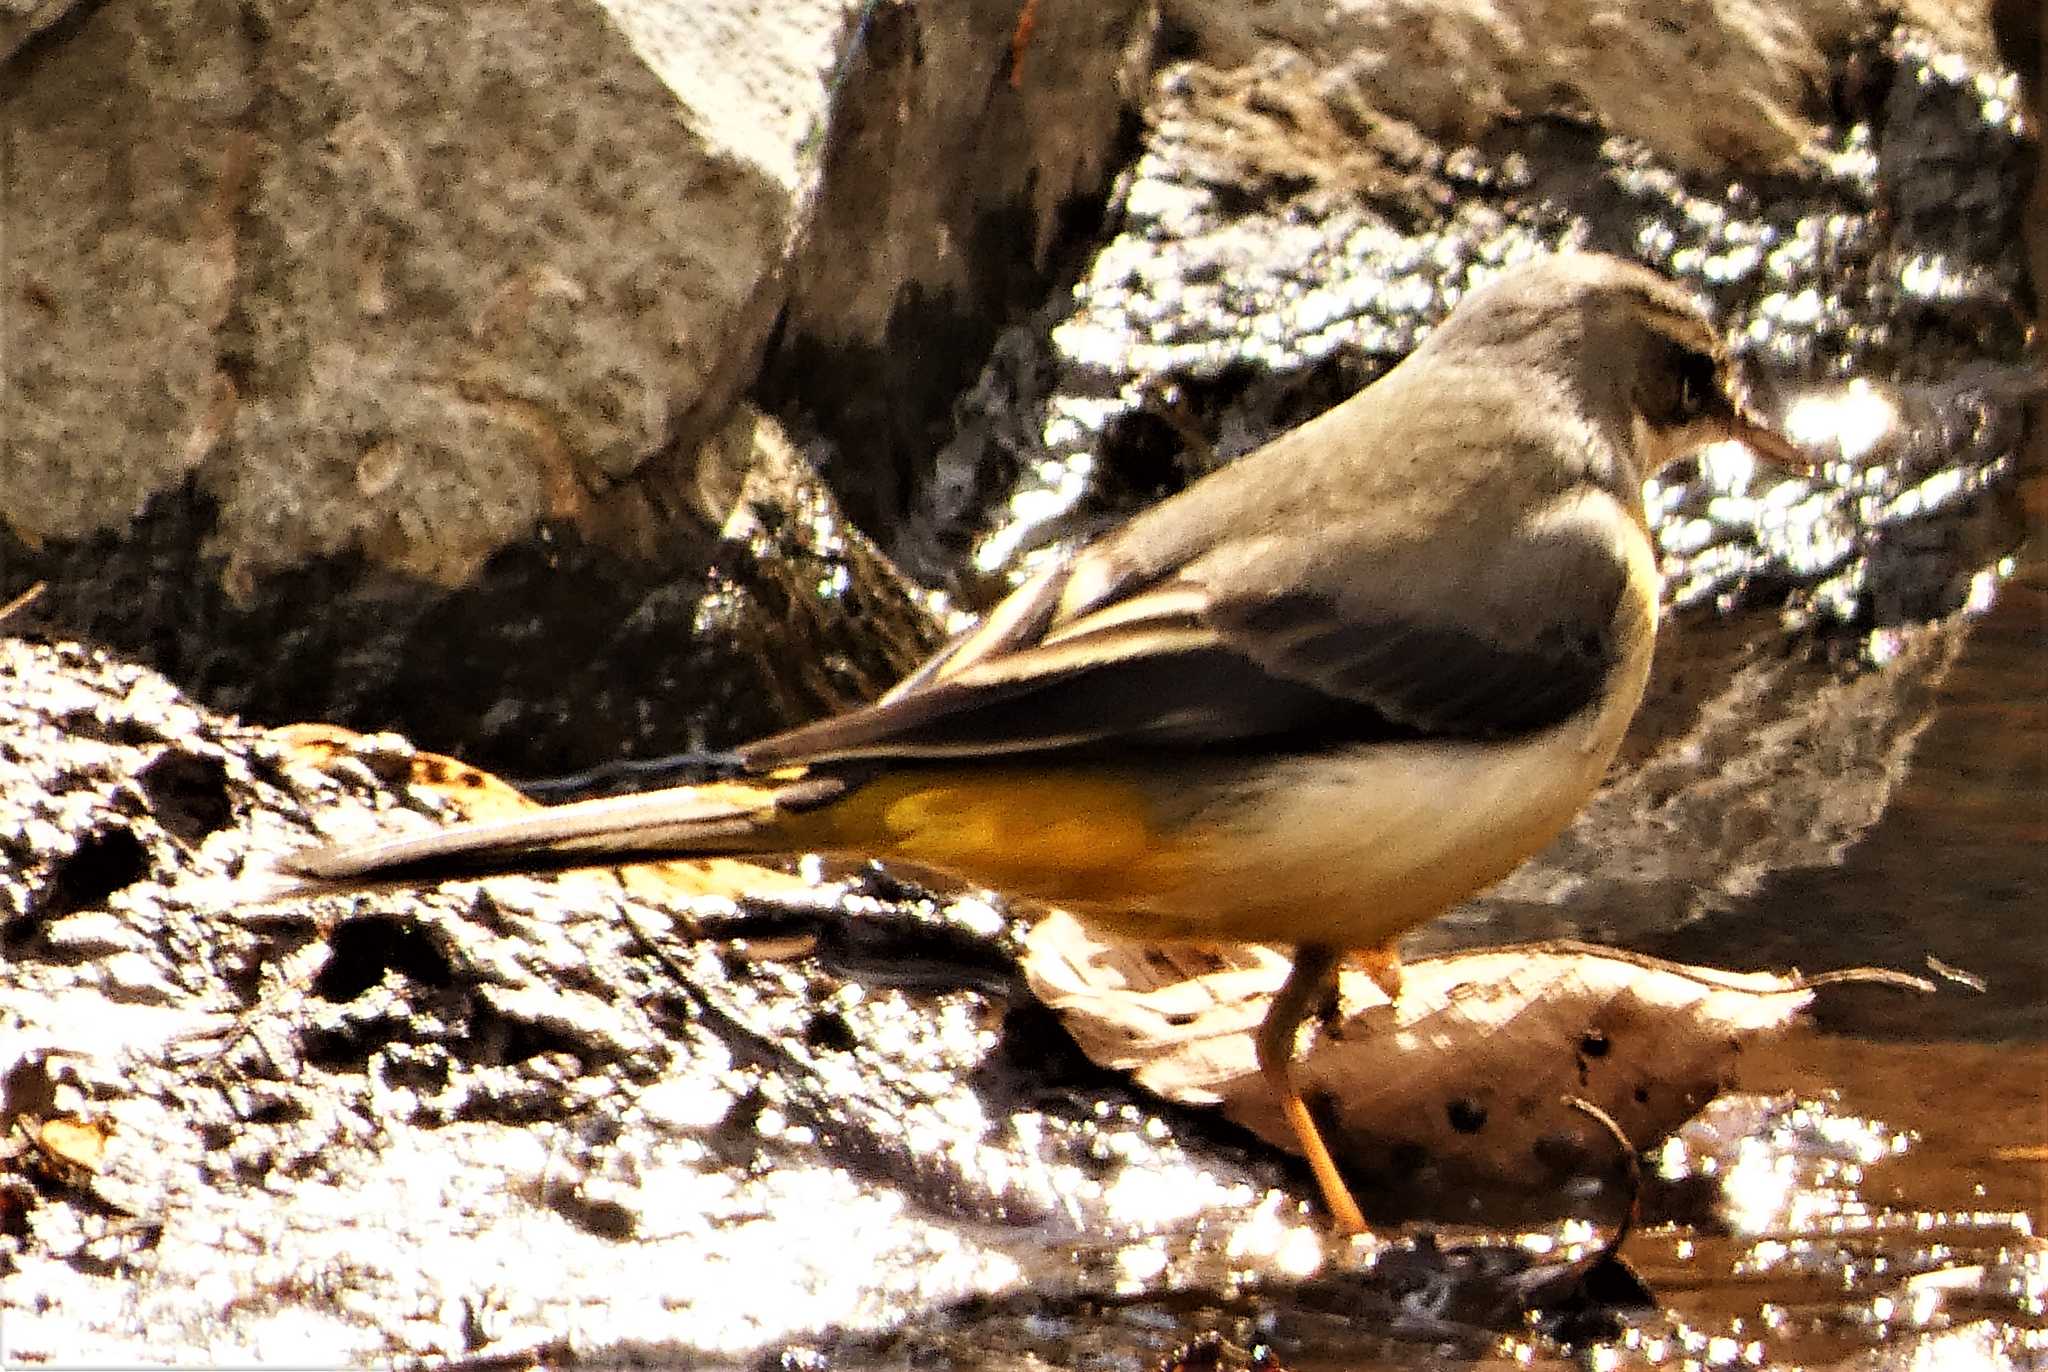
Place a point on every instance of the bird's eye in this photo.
(1699, 388)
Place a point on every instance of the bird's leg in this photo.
(1314, 965)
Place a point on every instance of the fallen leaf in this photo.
(70, 1147)
(1468, 1072)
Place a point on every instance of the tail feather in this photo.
(688, 821)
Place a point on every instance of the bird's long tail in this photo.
(691, 821)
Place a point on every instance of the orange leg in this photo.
(1314, 966)
(1020, 39)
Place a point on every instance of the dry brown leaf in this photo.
(71, 1149)
(1468, 1072)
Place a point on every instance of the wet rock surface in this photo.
(1232, 301)
(725, 1116)
(541, 1116)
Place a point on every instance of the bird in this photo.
(1314, 699)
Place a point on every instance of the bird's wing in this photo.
(1281, 641)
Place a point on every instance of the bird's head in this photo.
(1633, 350)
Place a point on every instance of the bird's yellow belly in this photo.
(1063, 836)
(1354, 851)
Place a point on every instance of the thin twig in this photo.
(1630, 1161)
(22, 601)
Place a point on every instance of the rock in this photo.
(975, 141)
(340, 1132)
(434, 324)
(404, 288)
(1730, 84)
(22, 20)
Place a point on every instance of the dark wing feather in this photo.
(1285, 670)
(1431, 675)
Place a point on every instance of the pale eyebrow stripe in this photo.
(1179, 603)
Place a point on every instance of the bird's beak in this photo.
(1768, 444)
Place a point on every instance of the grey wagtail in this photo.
(1316, 698)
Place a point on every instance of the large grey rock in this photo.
(401, 285)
